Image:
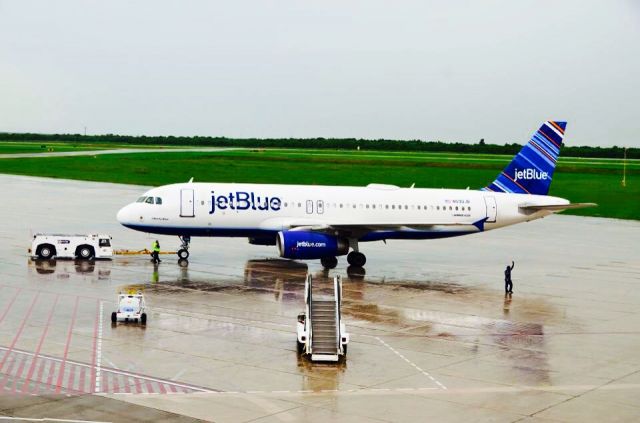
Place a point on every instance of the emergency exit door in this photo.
(492, 209)
(186, 203)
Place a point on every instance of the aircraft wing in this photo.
(358, 229)
(555, 207)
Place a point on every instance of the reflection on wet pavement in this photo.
(224, 322)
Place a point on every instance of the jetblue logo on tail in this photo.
(530, 174)
(531, 170)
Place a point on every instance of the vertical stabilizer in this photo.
(531, 170)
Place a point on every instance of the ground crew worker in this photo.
(508, 284)
(156, 252)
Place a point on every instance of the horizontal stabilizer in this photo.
(555, 207)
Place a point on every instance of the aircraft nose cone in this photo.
(123, 215)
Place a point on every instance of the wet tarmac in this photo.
(433, 336)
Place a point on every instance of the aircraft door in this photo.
(309, 206)
(320, 207)
(492, 208)
(186, 203)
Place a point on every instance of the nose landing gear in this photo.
(183, 252)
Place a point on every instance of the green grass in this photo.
(579, 180)
(28, 147)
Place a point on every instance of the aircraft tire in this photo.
(356, 259)
(329, 262)
(183, 254)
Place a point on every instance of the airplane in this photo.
(325, 222)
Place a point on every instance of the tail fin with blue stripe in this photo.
(531, 170)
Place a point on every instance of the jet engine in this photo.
(310, 245)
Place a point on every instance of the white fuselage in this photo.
(261, 210)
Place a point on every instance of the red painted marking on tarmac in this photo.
(39, 377)
(23, 362)
(6, 376)
(149, 387)
(15, 340)
(39, 347)
(163, 390)
(72, 378)
(116, 383)
(138, 385)
(9, 305)
(127, 387)
(95, 348)
(105, 382)
(83, 375)
(66, 347)
(52, 370)
(172, 388)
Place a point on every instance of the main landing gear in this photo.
(355, 258)
(183, 252)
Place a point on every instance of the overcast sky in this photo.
(449, 70)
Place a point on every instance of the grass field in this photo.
(30, 147)
(580, 180)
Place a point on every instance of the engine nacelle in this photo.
(310, 245)
(263, 240)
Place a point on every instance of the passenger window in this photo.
(406, 207)
(149, 200)
(373, 206)
(340, 205)
(456, 208)
(158, 200)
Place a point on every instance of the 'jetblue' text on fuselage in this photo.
(241, 200)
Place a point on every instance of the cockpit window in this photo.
(141, 200)
(149, 200)
(158, 200)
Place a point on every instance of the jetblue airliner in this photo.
(323, 222)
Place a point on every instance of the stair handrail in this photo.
(308, 287)
(337, 290)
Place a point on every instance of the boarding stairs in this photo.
(326, 340)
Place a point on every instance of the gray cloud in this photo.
(454, 70)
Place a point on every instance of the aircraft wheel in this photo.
(356, 259)
(329, 262)
(183, 254)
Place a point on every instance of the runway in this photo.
(433, 336)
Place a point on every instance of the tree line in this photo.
(316, 143)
